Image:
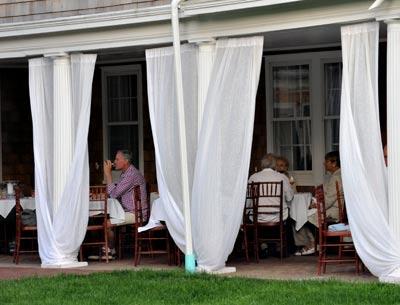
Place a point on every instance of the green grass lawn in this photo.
(176, 287)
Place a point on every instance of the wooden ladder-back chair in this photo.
(248, 226)
(97, 229)
(341, 204)
(23, 232)
(331, 239)
(270, 232)
(145, 241)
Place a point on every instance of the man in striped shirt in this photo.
(122, 190)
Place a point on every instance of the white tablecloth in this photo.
(6, 205)
(156, 214)
(115, 210)
(299, 209)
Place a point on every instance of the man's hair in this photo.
(128, 155)
(284, 159)
(268, 161)
(333, 156)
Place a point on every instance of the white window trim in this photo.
(122, 70)
(317, 111)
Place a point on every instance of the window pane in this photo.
(332, 134)
(124, 137)
(333, 83)
(282, 133)
(122, 99)
(292, 139)
(291, 93)
(301, 132)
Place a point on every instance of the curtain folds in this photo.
(62, 226)
(363, 170)
(218, 164)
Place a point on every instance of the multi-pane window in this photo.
(303, 110)
(122, 119)
(292, 114)
(333, 83)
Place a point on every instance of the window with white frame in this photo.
(291, 114)
(303, 110)
(122, 111)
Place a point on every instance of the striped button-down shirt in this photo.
(123, 189)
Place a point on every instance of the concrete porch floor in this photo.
(292, 268)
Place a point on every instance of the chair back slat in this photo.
(142, 211)
(321, 212)
(269, 190)
(98, 193)
(341, 204)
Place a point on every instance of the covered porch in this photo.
(288, 43)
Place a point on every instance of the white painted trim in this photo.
(123, 70)
(315, 60)
(210, 7)
(74, 34)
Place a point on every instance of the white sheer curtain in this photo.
(363, 169)
(223, 154)
(164, 122)
(62, 229)
(218, 166)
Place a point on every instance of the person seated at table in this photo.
(282, 166)
(122, 189)
(304, 237)
(268, 173)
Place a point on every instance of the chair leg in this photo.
(246, 246)
(137, 249)
(281, 244)
(256, 245)
(17, 247)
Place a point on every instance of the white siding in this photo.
(28, 10)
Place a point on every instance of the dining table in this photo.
(299, 209)
(114, 208)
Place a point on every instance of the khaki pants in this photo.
(305, 237)
(129, 219)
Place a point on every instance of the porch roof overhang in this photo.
(200, 21)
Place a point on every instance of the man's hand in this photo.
(107, 166)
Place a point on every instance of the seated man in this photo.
(123, 188)
(268, 173)
(304, 237)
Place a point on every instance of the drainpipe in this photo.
(189, 256)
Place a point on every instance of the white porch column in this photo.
(206, 62)
(63, 129)
(393, 125)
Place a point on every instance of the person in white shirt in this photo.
(268, 174)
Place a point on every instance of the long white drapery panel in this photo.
(223, 154)
(61, 230)
(164, 123)
(218, 167)
(363, 169)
